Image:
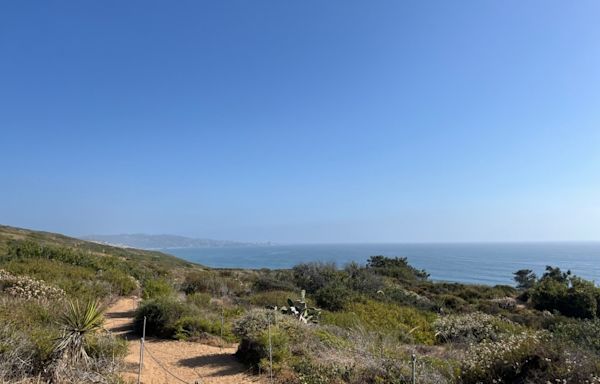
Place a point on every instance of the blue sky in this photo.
(311, 121)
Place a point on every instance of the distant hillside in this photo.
(152, 259)
(144, 241)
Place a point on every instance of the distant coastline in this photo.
(157, 242)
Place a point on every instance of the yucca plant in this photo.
(78, 321)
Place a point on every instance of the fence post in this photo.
(414, 369)
(142, 351)
(270, 348)
(222, 323)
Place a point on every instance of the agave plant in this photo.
(78, 321)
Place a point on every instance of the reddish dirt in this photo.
(177, 362)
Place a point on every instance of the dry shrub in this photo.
(25, 287)
(19, 357)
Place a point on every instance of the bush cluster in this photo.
(274, 281)
(406, 323)
(472, 327)
(579, 334)
(199, 327)
(78, 273)
(212, 282)
(253, 330)
(27, 348)
(161, 315)
(527, 357)
(27, 288)
(573, 297)
(396, 267)
(155, 288)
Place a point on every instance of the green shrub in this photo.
(309, 371)
(452, 303)
(199, 299)
(161, 315)
(471, 294)
(104, 346)
(44, 337)
(582, 334)
(401, 296)
(200, 281)
(363, 280)
(213, 283)
(500, 291)
(81, 275)
(253, 331)
(332, 339)
(314, 276)
(334, 296)
(471, 327)
(280, 347)
(499, 361)
(121, 283)
(578, 300)
(27, 250)
(196, 326)
(385, 318)
(232, 312)
(529, 357)
(274, 281)
(384, 371)
(155, 288)
(75, 281)
(271, 298)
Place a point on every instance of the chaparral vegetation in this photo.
(315, 323)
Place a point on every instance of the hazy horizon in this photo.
(461, 242)
(311, 123)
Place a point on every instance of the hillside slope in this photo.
(157, 259)
(53, 289)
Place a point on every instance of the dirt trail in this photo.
(189, 362)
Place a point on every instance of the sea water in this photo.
(480, 263)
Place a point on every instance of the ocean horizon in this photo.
(475, 263)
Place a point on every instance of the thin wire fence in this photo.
(161, 365)
(418, 370)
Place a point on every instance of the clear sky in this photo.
(302, 121)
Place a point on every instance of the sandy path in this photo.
(190, 362)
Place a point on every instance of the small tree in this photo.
(554, 273)
(525, 278)
(396, 267)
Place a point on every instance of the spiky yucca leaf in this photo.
(77, 321)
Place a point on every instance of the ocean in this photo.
(479, 263)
